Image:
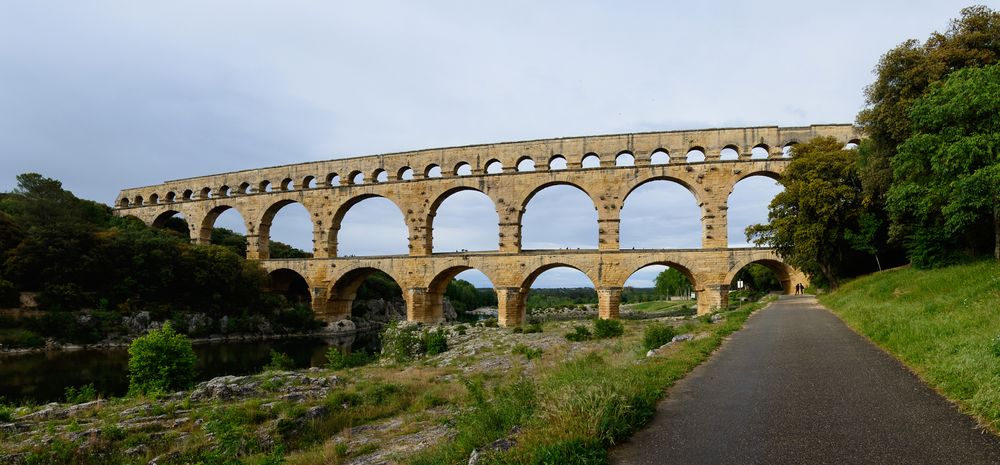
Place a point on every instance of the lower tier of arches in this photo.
(333, 282)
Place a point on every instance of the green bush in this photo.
(580, 333)
(656, 335)
(85, 393)
(435, 342)
(9, 296)
(604, 329)
(489, 323)
(400, 342)
(533, 328)
(529, 352)
(338, 359)
(280, 361)
(6, 412)
(161, 361)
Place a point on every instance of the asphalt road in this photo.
(796, 386)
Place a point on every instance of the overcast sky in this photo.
(107, 95)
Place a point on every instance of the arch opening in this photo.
(405, 173)
(561, 216)
(661, 287)
(370, 225)
(154, 199)
(787, 151)
(748, 205)
(287, 184)
(625, 159)
(465, 289)
(171, 196)
(366, 294)
(333, 180)
(380, 175)
(494, 167)
(760, 152)
(758, 278)
(590, 160)
(264, 186)
(356, 178)
(173, 221)
(695, 155)
(309, 182)
(525, 164)
(660, 213)
(729, 153)
(463, 169)
(432, 171)
(290, 285)
(557, 286)
(464, 220)
(557, 162)
(287, 229)
(659, 157)
(225, 226)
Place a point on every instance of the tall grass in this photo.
(579, 408)
(941, 323)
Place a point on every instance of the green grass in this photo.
(578, 408)
(661, 305)
(941, 323)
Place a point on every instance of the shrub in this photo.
(580, 333)
(604, 329)
(533, 328)
(280, 361)
(435, 342)
(529, 352)
(6, 412)
(489, 323)
(656, 335)
(85, 393)
(401, 342)
(338, 359)
(161, 361)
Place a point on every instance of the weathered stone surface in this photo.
(327, 190)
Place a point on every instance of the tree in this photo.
(904, 74)
(160, 362)
(810, 221)
(946, 191)
(671, 282)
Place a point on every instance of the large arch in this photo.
(291, 285)
(438, 286)
(748, 204)
(787, 275)
(344, 289)
(336, 237)
(660, 213)
(166, 220)
(265, 224)
(208, 222)
(558, 213)
(488, 236)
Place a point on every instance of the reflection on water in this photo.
(43, 377)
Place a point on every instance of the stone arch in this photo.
(525, 164)
(668, 262)
(558, 162)
(438, 285)
(590, 160)
(530, 278)
(439, 199)
(405, 174)
(154, 199)
(332, 180)
(729, 152)
(696, 154)
(287, 184)
(123, 203)
(161, 222)
(137, 201)
(766, 171)
(380, 175)
(760, 152)
(264, 186)
(660, 156)
(343, 290)
(208, 222)
(787, 275)
(640, 182)
(338, 219)
(309, 182)
(625, 158)
(462, 169)
(170, 197)
(291, 285)
(526, 200)
(660, 212)
(787, 147)
(433, 170)
(188, 194)
(222, 191)
(493, 166)
(264, 226)
(356, 178)
(206, 193)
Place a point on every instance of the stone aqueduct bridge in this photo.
(418, 182)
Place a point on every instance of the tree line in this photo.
(924, 185)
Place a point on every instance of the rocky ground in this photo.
(380, 413)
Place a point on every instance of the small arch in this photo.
(206, 193)
(494, 167)
(590, 160)
(356, 178)
(525, 164)
(852, 144)
(123, 203)
(625, 158)
(787, 149)
(287, 184)
(729, 152)
(187, 195)
(333, 180)
(463, 169)
(154, 199)
(781, 270)
(432, 171)
(380, 175)
(405, 173)
(309, 182)
(760, 152)
(557, 162)
(290, 285)
(659, 157)
(696, 154)
(264, 186)
(170, 197)
(244, 188)
(137, 201)
(223, 191)
(445, 281)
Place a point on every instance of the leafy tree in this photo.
(671, 282)
(160, 362)
(810, 220)
(904, 74)
(11, 234)
(757, 277)
(946, 192)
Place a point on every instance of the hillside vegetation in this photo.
(942, 323)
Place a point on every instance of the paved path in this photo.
(796, 386)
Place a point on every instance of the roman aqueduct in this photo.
(418, 182)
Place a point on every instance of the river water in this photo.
(43, 377)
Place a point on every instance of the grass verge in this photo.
(941, 323)
(577, 409)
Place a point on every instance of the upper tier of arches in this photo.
(625, 151)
